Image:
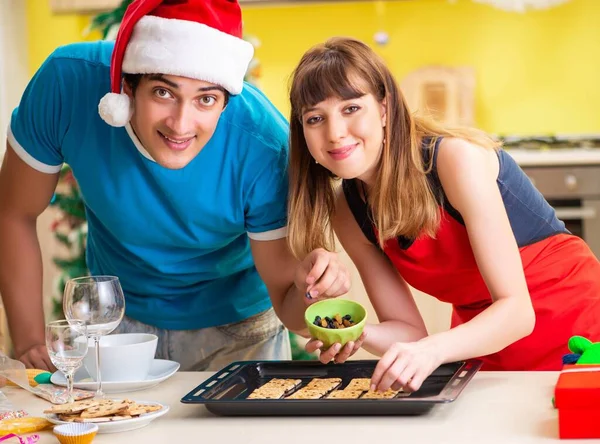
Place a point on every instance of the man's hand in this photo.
(321, 274)
(37, 357)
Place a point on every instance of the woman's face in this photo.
(345, 136)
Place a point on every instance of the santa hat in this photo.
(199, 39)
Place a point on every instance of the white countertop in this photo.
(495, 407)
(556, 157)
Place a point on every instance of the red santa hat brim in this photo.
(188, 49)
(149, 44)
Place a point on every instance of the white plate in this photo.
(160, 370)
(123, 425)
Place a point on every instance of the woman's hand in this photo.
(321, 274)
(406, 366)
(336, 352)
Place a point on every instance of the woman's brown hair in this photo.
(402, 201)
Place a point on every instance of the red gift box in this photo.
(577, 398)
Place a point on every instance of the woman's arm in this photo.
(468, 175)
(389, 294)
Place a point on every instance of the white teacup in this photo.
(123, 357)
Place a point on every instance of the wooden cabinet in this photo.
(94, 6)
(82, 6)
(444, 93)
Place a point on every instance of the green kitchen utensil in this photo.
(329, 308)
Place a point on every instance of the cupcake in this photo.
(76, 433)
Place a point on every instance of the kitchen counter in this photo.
(555, 157)
(495, 407)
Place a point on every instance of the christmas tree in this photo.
(70, 227)
(70, 230)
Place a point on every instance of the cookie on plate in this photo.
(102, 410)
(73, 407)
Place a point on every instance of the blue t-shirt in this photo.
(177, 239)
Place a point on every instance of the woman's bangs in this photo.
(323, 80)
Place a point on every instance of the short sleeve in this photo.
(266, 208)
(37, 125)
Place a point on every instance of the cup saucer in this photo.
(160, 370)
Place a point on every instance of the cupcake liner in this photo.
(76, 433)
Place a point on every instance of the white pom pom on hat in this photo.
(115, 109)
(199, 39)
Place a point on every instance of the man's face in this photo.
(174, 117)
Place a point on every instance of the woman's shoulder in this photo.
(458, 155)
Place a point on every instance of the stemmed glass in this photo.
(99, 301)
(67, 345)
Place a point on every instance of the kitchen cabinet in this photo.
(95, 6)
(82, 6)
(445, 93)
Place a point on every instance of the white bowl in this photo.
(123, 357)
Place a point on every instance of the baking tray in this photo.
(225, 392)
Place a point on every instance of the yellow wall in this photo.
(46, 31)
(535, 73)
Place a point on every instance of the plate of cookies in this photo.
(111, 415)
(274, 388)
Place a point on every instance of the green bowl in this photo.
(330, 307)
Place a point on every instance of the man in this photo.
(183, 175)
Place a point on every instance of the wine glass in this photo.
(67, 345)
(99, 301)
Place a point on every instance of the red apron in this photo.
(563, 277)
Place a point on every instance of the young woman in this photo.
(444, 210)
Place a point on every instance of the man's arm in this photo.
(24, 194)
(288, 280)
(277, 268)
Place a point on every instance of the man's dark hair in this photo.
(133, 80)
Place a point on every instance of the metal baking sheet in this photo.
(226, 391)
